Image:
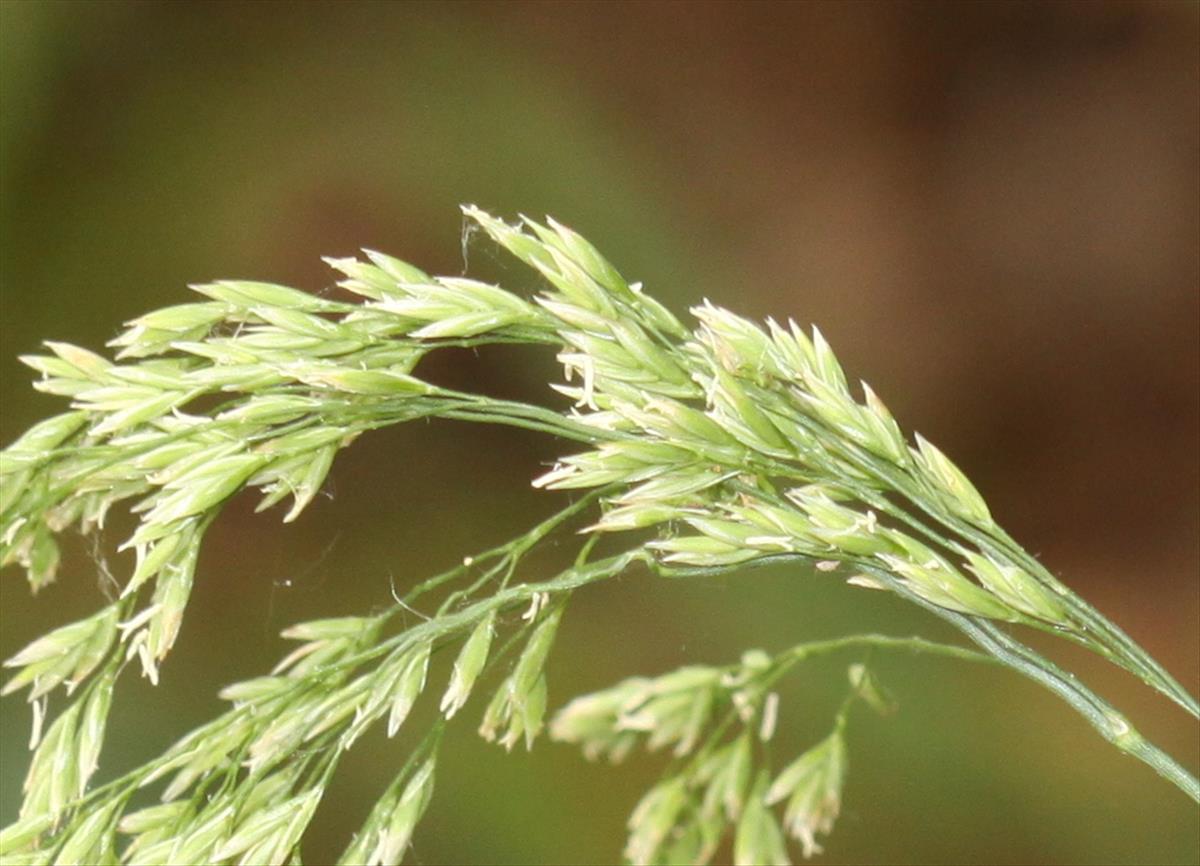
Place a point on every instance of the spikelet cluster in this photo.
(725, 787)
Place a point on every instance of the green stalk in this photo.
(1101, 715)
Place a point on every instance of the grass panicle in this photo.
(702, 448)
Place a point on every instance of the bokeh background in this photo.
(990, 209)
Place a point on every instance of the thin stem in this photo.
(493, 410)
(789, 658)
(1101, 715)
(514, 550)
(920, 645)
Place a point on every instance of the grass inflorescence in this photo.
(704, 448)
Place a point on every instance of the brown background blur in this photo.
(990, 210)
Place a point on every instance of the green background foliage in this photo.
(990, 211)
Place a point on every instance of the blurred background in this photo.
(990, 209)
